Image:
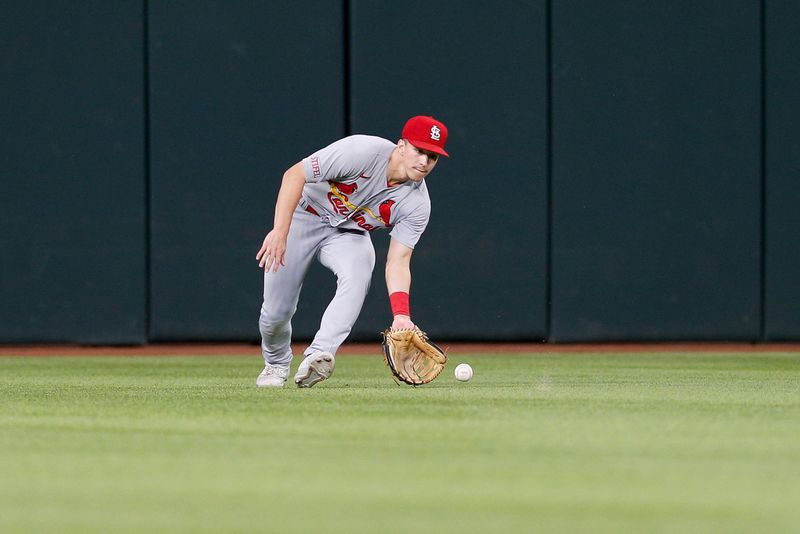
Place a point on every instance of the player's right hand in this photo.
(272, 253)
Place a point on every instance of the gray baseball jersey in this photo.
(346, 189)
(346, 185)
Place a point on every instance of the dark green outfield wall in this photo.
(620, 170)
(238, 92)
(782, 172)
(480, 270)
(656, 170)
(72, 209)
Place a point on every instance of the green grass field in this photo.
(534, 443)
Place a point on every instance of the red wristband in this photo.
(400, 303)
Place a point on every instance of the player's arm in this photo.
(398, 282)
(273, 249)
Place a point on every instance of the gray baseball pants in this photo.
(351, 257)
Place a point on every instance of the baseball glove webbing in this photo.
(411, 356)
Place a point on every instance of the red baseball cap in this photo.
(426, 133)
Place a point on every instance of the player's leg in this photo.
(282, 288)
(351, 257)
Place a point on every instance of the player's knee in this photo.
(274, 318)
(362, 264)
(357, 280)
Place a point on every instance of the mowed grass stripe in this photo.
(551, 443)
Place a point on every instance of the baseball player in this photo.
(327, 205)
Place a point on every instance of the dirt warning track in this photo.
(242, 349)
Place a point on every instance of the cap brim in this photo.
(429, 146)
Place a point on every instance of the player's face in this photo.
(418, 162)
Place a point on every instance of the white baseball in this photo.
(463, 372)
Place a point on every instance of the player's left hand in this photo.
(402, 322)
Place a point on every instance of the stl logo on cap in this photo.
(426, 133)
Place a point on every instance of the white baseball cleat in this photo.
(314, 368)
(273, 376)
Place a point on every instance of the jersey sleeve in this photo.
(409, 229)
(335, 162)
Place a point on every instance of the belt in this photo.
(312, 211)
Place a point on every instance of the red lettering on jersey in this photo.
(359, 219)
(385, 210)
(347, 189)
(338, 205)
